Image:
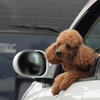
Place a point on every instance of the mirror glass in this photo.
(32, 63)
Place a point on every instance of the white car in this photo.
(88, 25)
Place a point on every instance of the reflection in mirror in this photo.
(32, 63)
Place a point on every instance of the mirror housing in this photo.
(31, 64)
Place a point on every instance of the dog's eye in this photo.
(58, 44)
(68, 46)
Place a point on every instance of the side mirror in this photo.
(31, 64)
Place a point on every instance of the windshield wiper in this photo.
(54, 29)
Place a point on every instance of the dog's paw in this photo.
(55, 90)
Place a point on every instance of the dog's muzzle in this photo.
(58, 52)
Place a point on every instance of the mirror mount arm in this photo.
(47, 82)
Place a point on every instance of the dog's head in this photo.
(65, 47)
(69, 48)
(68, 43)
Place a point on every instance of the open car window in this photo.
(92, 39)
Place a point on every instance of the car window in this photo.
(92, 39)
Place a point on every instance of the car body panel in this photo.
(85, 90)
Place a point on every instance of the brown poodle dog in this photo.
(73, 55)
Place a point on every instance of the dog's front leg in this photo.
(69, 78)
(56, 84)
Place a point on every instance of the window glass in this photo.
(92, 39)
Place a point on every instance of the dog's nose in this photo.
(58, 52)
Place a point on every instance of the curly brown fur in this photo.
(75, 57)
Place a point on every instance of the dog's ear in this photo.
(50, 54)
(85, 57)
